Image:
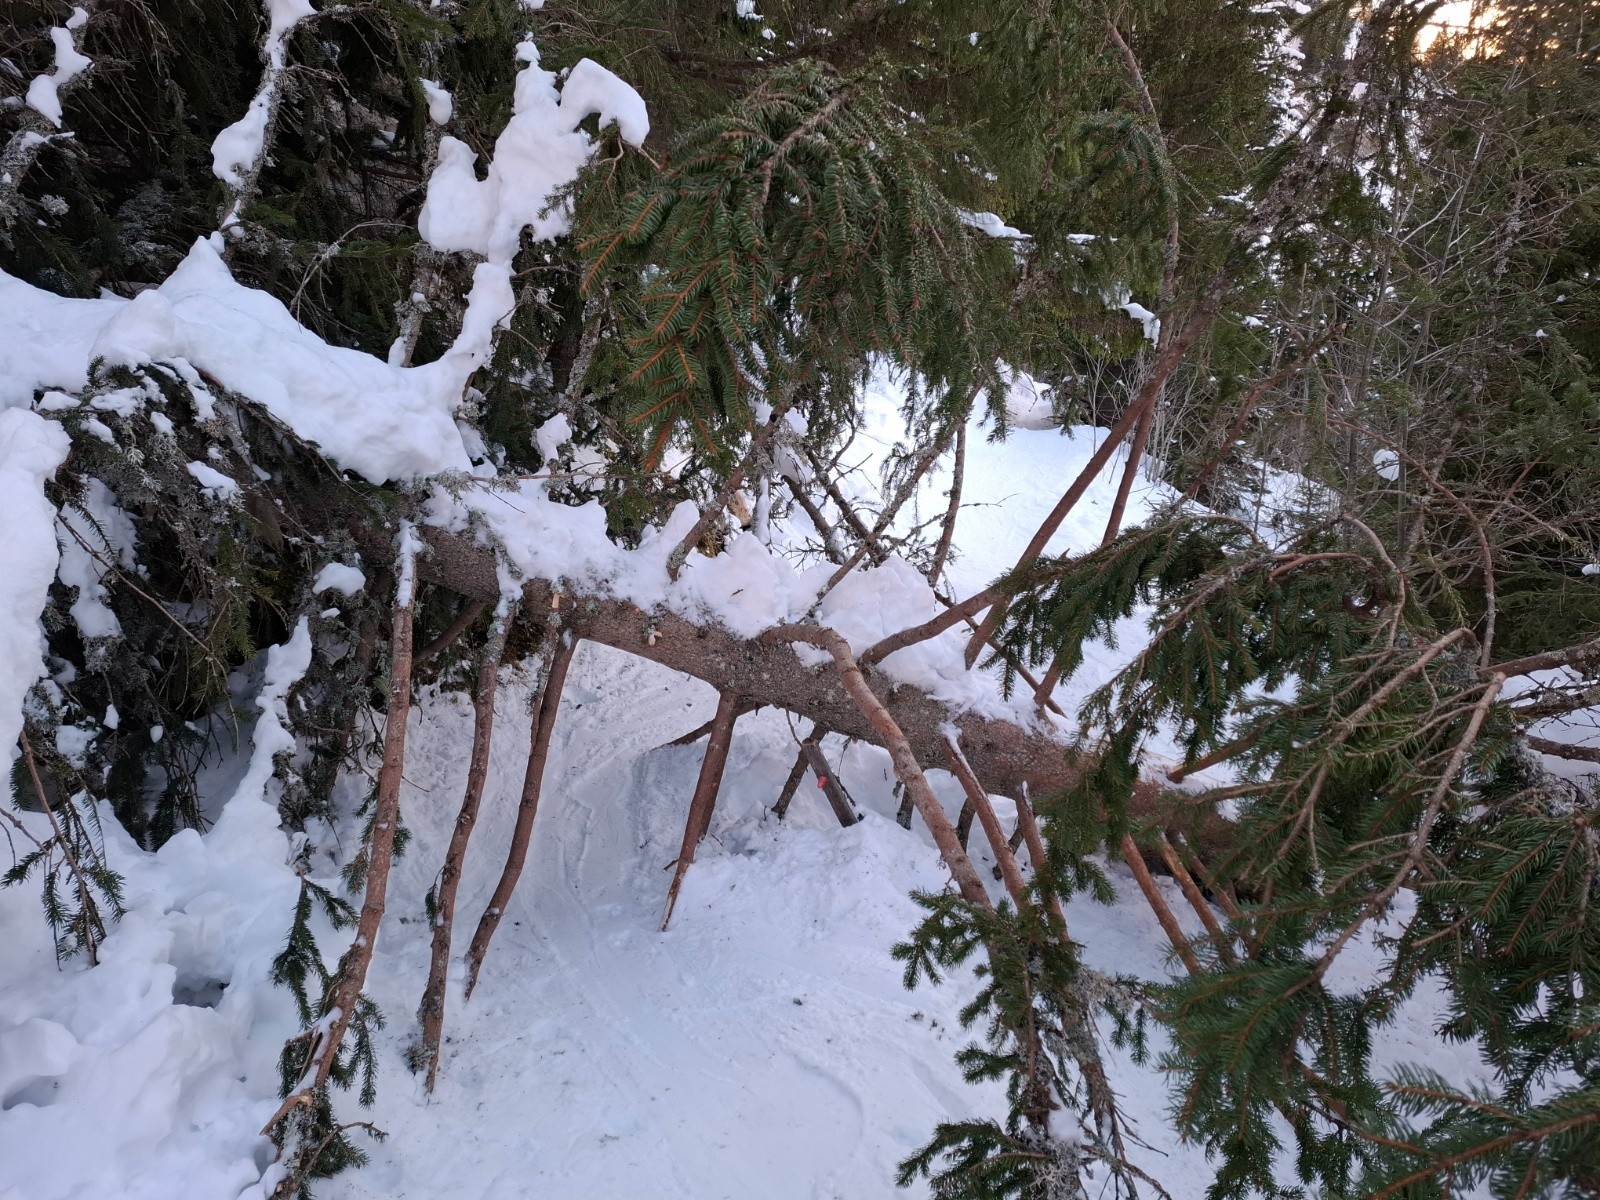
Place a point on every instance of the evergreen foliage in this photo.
(1379, 266)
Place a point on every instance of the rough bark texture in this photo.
(431, 1010)
(706, 788)
(1007, 757)
(544, 725)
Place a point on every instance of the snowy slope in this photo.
(763, 1046)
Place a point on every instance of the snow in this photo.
(1387, 464)
(764, 1046)
(84, 566)
(990, 224)
(44, 91)
(1147, 319)
(410, 545)
(236, 151)
(347, 581)
(150, 1075)
(213, 481)
(1027, 401)
(440, 102)
(31, 448)
(47, 339)
(552, 435)
(386, 423)
(539, 152)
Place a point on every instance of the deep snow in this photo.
(763, 1046)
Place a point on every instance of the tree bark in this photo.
(544, 725)
(353, 966)
(431, 1010)
(1007, 756)
(790, 786)
(704, 799)
(1158, 905)
(979, 800)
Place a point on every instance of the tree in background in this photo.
(1257, 243)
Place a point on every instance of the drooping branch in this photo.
(431, 1010)
(562, 647)
(947, 530)
(704, 800)
(343, 999)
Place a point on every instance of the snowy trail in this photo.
(764, 1046)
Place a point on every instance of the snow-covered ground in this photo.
(762, 1046)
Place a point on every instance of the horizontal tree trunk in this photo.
(1007, 757)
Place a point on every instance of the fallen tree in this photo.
(1012, 759)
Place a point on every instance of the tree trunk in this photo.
(1007, 756)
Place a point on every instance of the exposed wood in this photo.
(932, 627)
(544, 726)
(906, 767)
(904, 813)
(1130, 472)
(704, 799)
(1564, 750)
(828, 781)
(431, 1011)
(1007, 756)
